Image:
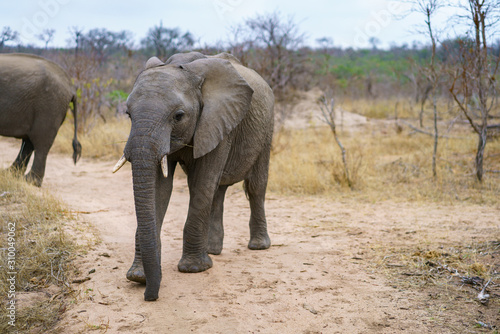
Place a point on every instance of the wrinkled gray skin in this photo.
(35, 94)
(213, 117)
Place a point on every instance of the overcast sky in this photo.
(349, 23)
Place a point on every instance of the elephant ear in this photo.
(153, 62)
(226, 101)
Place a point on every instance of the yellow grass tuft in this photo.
(33, 236)
(309, 162)
(106, 139)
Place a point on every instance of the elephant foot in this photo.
(34, 179)
(195, 265)
(136, 274)
(259, 242)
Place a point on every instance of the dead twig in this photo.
(80, 280)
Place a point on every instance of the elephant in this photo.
(213, 117)
(35, 94)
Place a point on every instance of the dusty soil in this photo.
(323, 274)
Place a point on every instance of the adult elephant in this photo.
(214, 117)
(35, 94)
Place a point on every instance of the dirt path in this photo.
(316, 278)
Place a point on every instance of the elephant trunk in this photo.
(145, 179)
(145, 150)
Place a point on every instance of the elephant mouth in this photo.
(163, 163)
(177, 143)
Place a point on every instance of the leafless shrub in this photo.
(164, 42)
(7, 35)
(46, 36)
(271, 45)
(87, 66)
(328, 112)
(473, 81)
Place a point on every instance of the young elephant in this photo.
(214, 117)
(34, 97)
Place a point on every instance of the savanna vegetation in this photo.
(38, 246)
(433, 129)
(441, 98)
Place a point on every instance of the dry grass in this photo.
(386, 164)
(105, 140)
(380, 108)
(43, 252)
(452, 276)
(309, 162)
(386, 108)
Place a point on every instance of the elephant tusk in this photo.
(164, 166)
(120, 163)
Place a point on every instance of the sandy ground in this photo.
(319, 276)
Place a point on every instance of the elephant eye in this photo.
(179, 114)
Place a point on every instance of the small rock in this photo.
(309, 308)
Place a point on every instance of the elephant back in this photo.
(35, 71)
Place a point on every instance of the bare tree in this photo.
(431, 71)
(7, 35)
(429, 8)
(46, 36)
(164, 42)
(374, 42)
(83, 67)
(271, 44)
(474, 85)
(102, 43)
(76, 38)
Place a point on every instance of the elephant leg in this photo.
(35, 175)
(216, 227)
(136, 271)
(23, 158)
(42, 140)
(255, 186)
(203, 180)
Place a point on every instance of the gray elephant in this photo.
(214, 117)
(35, 94)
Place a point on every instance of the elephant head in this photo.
(175, 107)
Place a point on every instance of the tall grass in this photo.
(43, 252)
(106, 140)
(307, 161)
(386, 163)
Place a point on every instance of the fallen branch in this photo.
(483, 296)
(426, 132)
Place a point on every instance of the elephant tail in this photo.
(77, 147)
